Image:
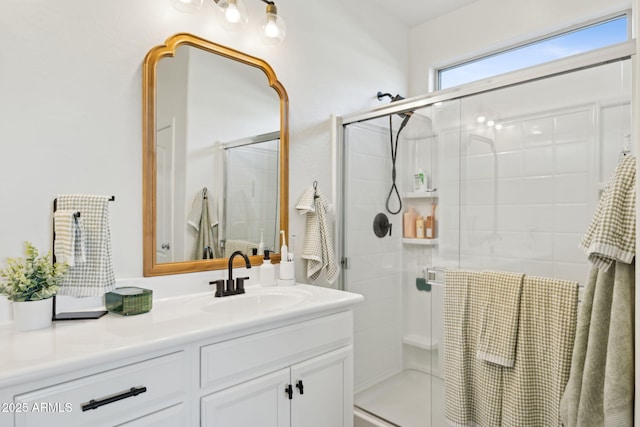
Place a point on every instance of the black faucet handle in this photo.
(219, 287)
(240, 284)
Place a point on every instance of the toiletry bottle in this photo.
(428, 227)
(419, 227)
(409, 222)
(267, 274)
(419, 184)
(261, 244)
(284, 251)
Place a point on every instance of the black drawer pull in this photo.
(300, 386)
(95, 404)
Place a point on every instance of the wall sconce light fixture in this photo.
(235, 17)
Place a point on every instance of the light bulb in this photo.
(187, 6)
(273, 27)
(234, 15)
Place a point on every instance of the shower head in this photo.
(391, 97)
(395, 98)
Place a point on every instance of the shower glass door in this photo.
(398, 328)
(516, 173)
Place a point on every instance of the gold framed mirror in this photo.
(201, 103)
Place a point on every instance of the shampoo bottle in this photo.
(267, 274)
(409, 223)
(419, 227)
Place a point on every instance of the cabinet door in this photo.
(323, 390)
(260, 402)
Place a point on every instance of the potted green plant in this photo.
(30, 283)
(5, 305)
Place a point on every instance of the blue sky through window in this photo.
(578, 41)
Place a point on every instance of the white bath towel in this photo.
(318, 246)
(204, 219)
(94, 277)
(68, 244)
(203, 197)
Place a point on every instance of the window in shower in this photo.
(584, 39)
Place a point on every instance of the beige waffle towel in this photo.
(318, 246)
(480, 393)
(501, 310)
(94, 277)
(612, 232)
(473, 387)
(533, 387)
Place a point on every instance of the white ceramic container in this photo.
(32, 315)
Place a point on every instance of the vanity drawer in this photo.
(117, 395)
(231, 362)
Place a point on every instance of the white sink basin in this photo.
(256, 301)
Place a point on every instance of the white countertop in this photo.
(75, 344)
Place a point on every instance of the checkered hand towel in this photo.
(318, 246)
(547, 328)
(612, 233)
(95, 276)
(501, 309)
(473, 387)
(69, 242)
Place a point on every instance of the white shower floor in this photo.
(409, 398)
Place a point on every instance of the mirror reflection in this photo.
(219, 171)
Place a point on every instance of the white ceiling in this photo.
(414, 12)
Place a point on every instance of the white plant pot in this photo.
(5, 309)
(32, 315)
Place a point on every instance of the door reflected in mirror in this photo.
(215, 156)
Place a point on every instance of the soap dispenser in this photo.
(267, 274)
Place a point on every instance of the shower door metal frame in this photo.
(590, 59)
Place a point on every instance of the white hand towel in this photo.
(306, 203)
(64, 227)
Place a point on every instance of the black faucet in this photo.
(232, 288)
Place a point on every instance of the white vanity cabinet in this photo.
(289, 367)
(153, 391)
(300, 375)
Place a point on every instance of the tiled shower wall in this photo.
(526, 192)
(374, 263)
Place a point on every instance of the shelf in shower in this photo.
(420, 341)
(420, 195)
(423, 242)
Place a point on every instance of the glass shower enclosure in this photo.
(513, 175)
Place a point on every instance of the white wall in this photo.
(70, 100)
(488, 25)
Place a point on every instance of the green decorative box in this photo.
(129, 300)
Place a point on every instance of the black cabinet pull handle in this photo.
(95, 404)
(300, 386)
(289, 391)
